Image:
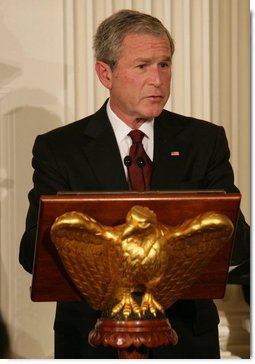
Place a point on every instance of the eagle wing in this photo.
(89, 254)
(186, 250)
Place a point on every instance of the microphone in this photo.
(141, 163)
(128, 162)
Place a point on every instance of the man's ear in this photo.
(104, 74)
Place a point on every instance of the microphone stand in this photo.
(128, 162)
(141, 163)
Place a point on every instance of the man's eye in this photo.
(141, 66)
(164, 64)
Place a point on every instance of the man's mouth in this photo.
(155, 98)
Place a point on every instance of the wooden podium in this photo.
(51, 282)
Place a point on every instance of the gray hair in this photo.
(111, 32)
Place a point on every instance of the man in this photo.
(133, 61)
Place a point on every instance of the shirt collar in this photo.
(121, 129)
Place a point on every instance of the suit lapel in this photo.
(169, 153)
(103, 154)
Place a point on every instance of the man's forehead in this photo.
(141, 35)
(143, 41)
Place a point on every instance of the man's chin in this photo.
(153, 113)
(152, 110)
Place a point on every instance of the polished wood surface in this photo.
(133, 338)
(50, 281)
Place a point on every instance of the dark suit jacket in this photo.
(84, 156)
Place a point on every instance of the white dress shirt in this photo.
(124, 141)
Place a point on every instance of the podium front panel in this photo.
(50, 281)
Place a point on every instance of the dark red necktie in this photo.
(140, 169)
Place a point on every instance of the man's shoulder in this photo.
(68, 129)
(186, 121)
(78, 127)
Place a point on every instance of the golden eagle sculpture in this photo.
(112, 263)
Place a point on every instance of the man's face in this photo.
(140, 82)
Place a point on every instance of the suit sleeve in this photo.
(48, 179)
(220, 173)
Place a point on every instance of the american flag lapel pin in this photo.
(175, 153)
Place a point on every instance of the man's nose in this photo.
(155, 78)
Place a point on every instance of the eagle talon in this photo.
(149, 303)
(127, 305)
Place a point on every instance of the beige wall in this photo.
(47, 79)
